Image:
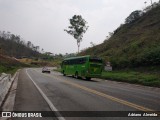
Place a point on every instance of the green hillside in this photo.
(134, 44)
(10, 65)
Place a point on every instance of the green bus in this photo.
(82, 66)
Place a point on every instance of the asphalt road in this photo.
(38, 91)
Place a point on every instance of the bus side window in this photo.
(82, 61)
(79, 61)
(76, 61)
(71, 62)
(65, 63)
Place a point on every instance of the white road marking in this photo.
(53, 108)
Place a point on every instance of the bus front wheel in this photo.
(76, 75)
(64, 74)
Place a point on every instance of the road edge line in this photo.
(53, 108)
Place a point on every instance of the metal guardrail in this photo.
(5, 83)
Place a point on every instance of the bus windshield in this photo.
(95, 60)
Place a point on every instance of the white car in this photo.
(45, 70)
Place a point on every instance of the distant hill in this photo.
(133, 44)
(14, 46)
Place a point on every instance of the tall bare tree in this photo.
(77, 28)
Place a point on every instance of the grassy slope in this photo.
(133, 45)
(9, 65)
(134, 51)
(133, 77)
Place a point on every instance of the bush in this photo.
(133, 16)
(152, 57)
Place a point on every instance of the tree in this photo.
(77, 28)
(92, 44)
(37, 48)
(29, 44)
(134, 16)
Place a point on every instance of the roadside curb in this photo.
(8, 102)
(5, 83)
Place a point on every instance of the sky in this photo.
(43, 21)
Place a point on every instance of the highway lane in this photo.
(28, 98)
(70, 94)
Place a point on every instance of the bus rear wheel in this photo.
(88, 78)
